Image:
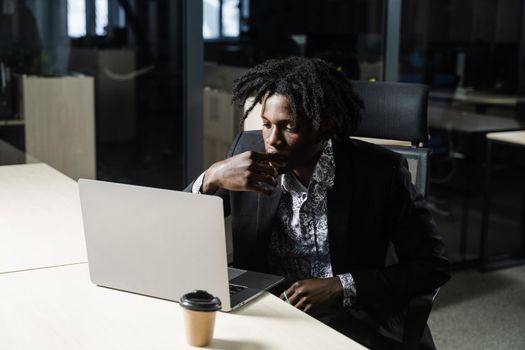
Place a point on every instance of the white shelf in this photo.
(9, 122)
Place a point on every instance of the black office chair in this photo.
(398, 111)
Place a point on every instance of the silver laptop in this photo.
(162, 243)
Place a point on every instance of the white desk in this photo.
(509, 137)
(470, 123)
(58, 308)
(40, 218)
(478, 97)
(47, 306)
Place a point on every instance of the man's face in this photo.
(299, 143)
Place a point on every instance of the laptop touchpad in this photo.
(233, 273)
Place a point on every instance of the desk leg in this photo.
(465, 212)
(523, 221)
(464, 228)
(483, 256)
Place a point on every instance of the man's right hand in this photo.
(248, 171)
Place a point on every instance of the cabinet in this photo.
(59, 118)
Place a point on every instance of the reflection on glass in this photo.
(76, 18)
(348, 34)
(100, 86)
(470, 46)
(101, 17)
(230, 18)
(468, 52)
(211, 15)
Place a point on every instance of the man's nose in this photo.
(274, 137)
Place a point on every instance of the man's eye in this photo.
(290, 128)
(266, 126)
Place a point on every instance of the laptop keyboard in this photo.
(234, 288)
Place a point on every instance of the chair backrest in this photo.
(396, 111)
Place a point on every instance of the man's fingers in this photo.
(297, 299)
(272, 163)
(274, 158)
(267, 157)
(264, 168)
(293, 295)
(307, 308)
(302, 304)
(278, 165)
(287, 293)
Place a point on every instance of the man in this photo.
(319, 208)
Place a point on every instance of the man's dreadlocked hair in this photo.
(314, 88)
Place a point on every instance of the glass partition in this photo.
(347, 33)
(470, 53)
(96, 88)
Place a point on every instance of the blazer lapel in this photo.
(340, 204)
(266, 209)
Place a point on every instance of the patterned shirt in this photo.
(299, 246)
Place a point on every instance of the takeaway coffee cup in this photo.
(199, 310)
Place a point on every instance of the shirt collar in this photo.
(323, 174)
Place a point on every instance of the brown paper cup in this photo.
(199, 326)
(199, 309)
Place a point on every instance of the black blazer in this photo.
(371, 203)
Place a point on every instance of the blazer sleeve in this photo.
(422, 265)
(221, 192)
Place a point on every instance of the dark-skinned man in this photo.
(311, 204)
